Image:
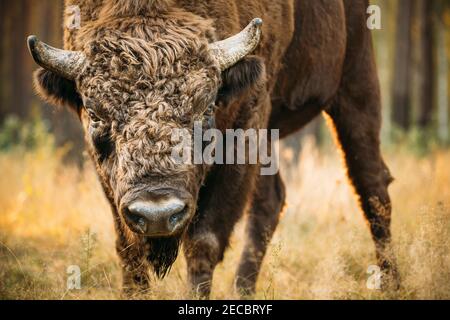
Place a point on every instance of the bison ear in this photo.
(57, 90)
(244, 77)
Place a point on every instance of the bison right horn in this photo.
(229, 51)
(67, 64)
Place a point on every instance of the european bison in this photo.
(138, 69)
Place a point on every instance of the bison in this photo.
(135, 70)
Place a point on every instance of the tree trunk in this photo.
(20, 80)
(5, 85)
(401, 87)
(443, 84)
(427, 45)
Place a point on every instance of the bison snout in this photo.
(162, 218)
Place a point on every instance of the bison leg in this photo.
(135, 275)
(262, 221)
(203, 253)
(356, 115)
(222, 202)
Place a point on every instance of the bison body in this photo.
(149, 71)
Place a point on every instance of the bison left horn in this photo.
(67, 64)
(229, 51)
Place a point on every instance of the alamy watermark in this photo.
(374, 20)
(73, 17)
(73, 278)
(236, 146)
(375, 277)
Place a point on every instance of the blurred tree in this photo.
(443, 66)
(15, 22)
(6, 8)
(428, 62)
(443, 88)
(18, 19)
(401, 86)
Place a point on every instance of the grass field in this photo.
(53, 216)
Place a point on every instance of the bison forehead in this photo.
(156, 56)
(159, 69)
(150, 79)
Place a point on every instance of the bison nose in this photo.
(157, 219)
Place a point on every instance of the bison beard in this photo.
(163, 253)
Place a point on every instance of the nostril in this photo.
(137, 220)
(178, 217)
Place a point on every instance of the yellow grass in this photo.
(53, 216)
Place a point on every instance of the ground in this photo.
(53, 216)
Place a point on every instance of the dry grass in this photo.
(53, 216)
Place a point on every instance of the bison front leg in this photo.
(356, 115)
(135, 276)
(131, 251)
(263, 219)
(202, 255)
(222, 202)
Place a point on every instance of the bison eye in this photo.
(103, 145)
(95, 120)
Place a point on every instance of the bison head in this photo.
(132, 85)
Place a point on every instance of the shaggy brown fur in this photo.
(149, 72)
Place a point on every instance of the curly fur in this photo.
(123, 8)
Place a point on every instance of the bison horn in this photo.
(67, 64)
(229, 51)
